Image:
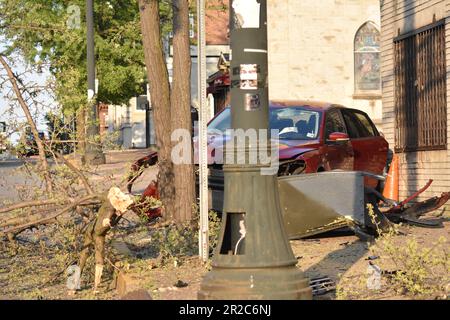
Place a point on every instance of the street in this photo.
(13, 178)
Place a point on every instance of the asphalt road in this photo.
(13, 178)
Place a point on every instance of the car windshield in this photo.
(292, 123)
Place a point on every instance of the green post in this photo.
(253, 259)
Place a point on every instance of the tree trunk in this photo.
(181, 106)
(160, 97)
(26, 110)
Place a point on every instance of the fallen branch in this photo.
(76, 171)
(26, 110)
(34, 203)
(33, 216)
(25, 226)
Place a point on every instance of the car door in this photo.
(370, 149)
(337, 155)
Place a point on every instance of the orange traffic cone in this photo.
(391, 185)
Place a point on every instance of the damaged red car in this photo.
(313, 137)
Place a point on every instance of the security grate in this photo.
(420, 90)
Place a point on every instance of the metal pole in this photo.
(253, 258)
(203, 143)
(94, 154)
(90, 51)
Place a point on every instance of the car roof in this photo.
(304, 103)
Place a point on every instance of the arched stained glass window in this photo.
(367, 60)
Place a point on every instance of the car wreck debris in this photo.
(326, 207)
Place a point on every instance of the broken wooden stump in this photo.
(128, 288)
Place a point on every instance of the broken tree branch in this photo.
(46, 219)
(34, 203)
(30, 120)
(76, 171)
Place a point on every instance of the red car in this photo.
(316, 137)
(313, 137)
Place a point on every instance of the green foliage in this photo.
(44, 33)
(420, 271)
(177, 241)
(410, 269)
(215, 224)
(149, 203)
(111, 141)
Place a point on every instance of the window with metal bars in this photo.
(420, 90)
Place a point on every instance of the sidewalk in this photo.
(117, 156)
(6, 156)
(117, 166)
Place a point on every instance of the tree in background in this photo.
(51, 34)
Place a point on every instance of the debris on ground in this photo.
(180, 284)
(322, 285)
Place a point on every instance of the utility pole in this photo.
(203, 143)
(94, 154)
(253, 258)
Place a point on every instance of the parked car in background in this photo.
(27, 145)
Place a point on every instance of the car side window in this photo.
(358, 124)
(351, 122)
(366, 125)
(334, 123)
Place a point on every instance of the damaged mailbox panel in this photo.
(316, 203)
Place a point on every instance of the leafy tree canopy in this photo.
(52, 34)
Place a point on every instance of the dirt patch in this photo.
(33, 268)
(343, 258)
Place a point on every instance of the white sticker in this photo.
(249, 72)
(249, 76)
(289, 129)
(246, 13)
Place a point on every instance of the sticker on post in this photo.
(252, 102)
(246, 14)
(249, 76)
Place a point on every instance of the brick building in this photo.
(415, 61)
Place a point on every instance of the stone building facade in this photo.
(415, 63)
(326, 50)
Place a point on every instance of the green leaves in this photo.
(53, 32)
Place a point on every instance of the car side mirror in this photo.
(338, 137)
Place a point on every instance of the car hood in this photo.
(288, 149)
